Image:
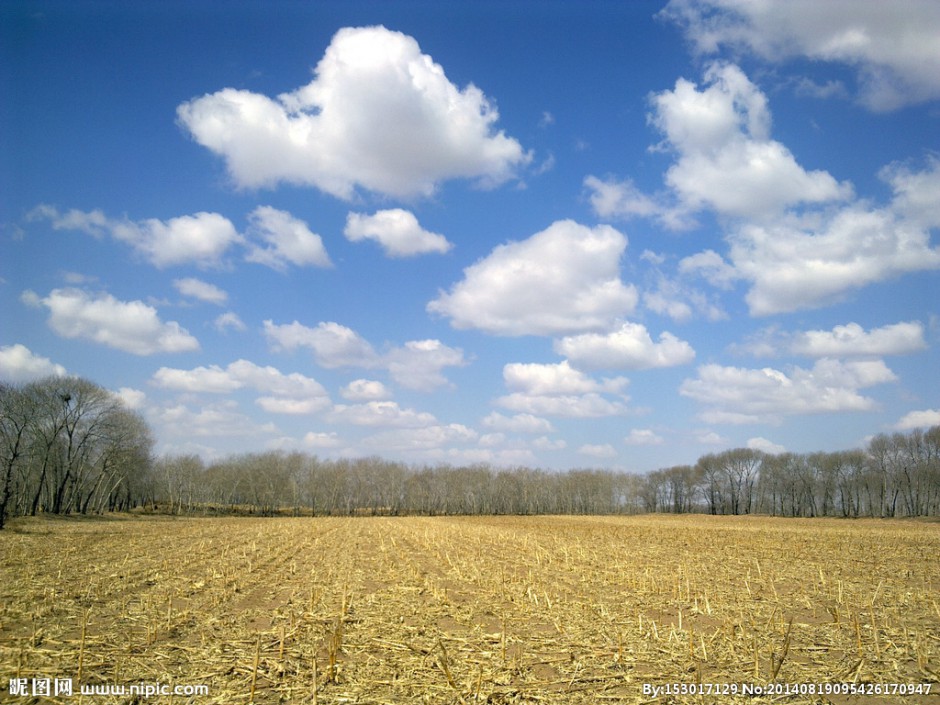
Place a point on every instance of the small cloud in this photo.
(560, 390)
(711, 438)
(848, 340)
(203, 291)
(201, 239)
(919, 419)
(418, 363)
(765, 446)
(386, 414)
(229, 321)
(620, 199)
(322, 440)
(78, 279)
(712, 267)
(333, 345)
(546, 166)
(131, 326)
(652, 257)
(397, 231)
(739, 395)
(365, 390)
(31, 298)
(809, 88)
(287, 240)
(18, 364)
(546, 443)
(132, 398)
(415, 365)
(628, 347)
(643, 437)
(602, 451)
(563, 280)
(280, 393)
(519, 423)
(851, 340)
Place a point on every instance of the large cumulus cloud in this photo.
(379, 115)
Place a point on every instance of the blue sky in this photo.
(543, 233)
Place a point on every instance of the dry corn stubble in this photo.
(448, 610)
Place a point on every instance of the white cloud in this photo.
(559, 390)
(132, 398)
(492, 439)
(212, 420)
(673, 297)
(212, 379)
(397, 231)
(94, 223)
(203, 291)
(893, 49)
(18, 364)
(794, 265)
(379, 115)
(546, 443)
(519, 423)
(667, 300)
(628, 347)
(788, 235)
(726, 159)
(602, 451)
(711, 266)
(565, 279)
(315, 440)
(740, 395)
(643, 437)
(919, 419)
(560, 378)
(619, 199)
(333, 345)
(285, 405)
(272, 380)
(415, 365)
(830, 89)
(589, 405)
(434, 437)
(365, 390)
(851, 340)
(915, 192)
(622, 199)
(200, 239)
(381, 413)
(228, 320)
(282, 393)
(765, 446)
(418, 363)
(287, 240)
(131, 326)
(711, 438)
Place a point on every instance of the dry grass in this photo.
(470, 610)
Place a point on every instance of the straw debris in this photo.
(498, 610)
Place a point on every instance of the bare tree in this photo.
(69, 446)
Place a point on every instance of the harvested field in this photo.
(470, 610)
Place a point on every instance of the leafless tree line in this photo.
(898, 475)
(69, 446)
